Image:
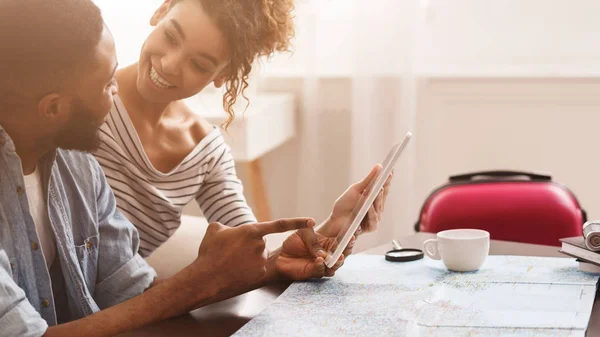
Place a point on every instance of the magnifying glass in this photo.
(400, 254)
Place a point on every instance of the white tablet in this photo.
(365, 201)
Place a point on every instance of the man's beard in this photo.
(82, 132)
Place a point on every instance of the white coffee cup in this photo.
(460, 249)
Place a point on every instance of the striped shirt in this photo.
(152, 200)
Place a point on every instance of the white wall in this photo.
(453, 38)
(509, 37)
(129, 21)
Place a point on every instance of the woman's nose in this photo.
(170, 65)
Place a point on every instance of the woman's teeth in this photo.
(159, 81)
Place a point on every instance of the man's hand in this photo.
(237, 257)
(342, 209)
(302, 256)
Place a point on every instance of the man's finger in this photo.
(319, 268)
(309, 237)
(283, 225)
(329, 272)
(362, 185)
(314, 269)
(339, 263)
(214, 227)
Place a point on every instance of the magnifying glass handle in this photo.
(396, 244)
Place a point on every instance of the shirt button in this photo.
(45, 303)
(12, 266)
(34, 246)
(20, 190)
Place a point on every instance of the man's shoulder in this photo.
(78, 174)
(75, 156)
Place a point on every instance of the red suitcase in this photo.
(512, 206)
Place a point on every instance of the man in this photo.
(68, 258)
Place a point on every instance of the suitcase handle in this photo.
(500, 174)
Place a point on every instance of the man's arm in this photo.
(121, 272)
(17, 316)
(170, 297)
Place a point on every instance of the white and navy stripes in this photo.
(152, 200)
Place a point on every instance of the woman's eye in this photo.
(198, 67)
(170, 38)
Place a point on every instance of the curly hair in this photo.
(253, 29)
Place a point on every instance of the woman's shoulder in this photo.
(200, 128)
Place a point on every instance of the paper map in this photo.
(509, 296)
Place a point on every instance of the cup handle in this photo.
(435, 252)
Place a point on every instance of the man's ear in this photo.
(160, 13)
(51, 107)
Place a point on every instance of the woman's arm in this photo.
(221, 197)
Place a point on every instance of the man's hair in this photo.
(42, 42)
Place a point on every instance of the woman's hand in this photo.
(342, 209)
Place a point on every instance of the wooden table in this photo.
(225, 318)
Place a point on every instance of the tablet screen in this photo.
(365, 201)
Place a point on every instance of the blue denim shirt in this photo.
(96, 246)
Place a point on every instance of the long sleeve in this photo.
(221, 197)
(122, 272)
(17, 315)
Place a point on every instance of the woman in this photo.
(157, 154)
